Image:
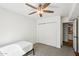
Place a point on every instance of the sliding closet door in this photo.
(75, 35)
(47, 33)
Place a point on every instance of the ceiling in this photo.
(62, 9)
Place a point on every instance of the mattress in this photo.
(16, 49)
(11, 50)
(25, 45)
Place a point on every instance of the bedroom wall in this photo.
(14, 27)
(49, 31)
(65, 20)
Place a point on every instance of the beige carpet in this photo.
(45, 50)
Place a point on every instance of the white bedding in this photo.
(16, 49)
(26, 46)
(12, 50)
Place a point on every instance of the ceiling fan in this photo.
(42, 8)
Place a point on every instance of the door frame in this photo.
(77, 34)
(76, 51)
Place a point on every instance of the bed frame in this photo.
(29, 52)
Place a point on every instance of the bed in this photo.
(19, 48)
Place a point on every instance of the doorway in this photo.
(68, 34)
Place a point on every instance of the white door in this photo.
(47, 34)
(75, 35)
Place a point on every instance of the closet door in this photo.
(75, 35)
(47, 33)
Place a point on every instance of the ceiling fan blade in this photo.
(40, 15)
(30, 5)
(48, 11)
(45, 5)
(32, 13)
(40, 5)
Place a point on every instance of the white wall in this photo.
(49, 32)
(65, 20)
(15, 27)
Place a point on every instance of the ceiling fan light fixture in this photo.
(42, 8)
(45, 8)
(39, 12)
